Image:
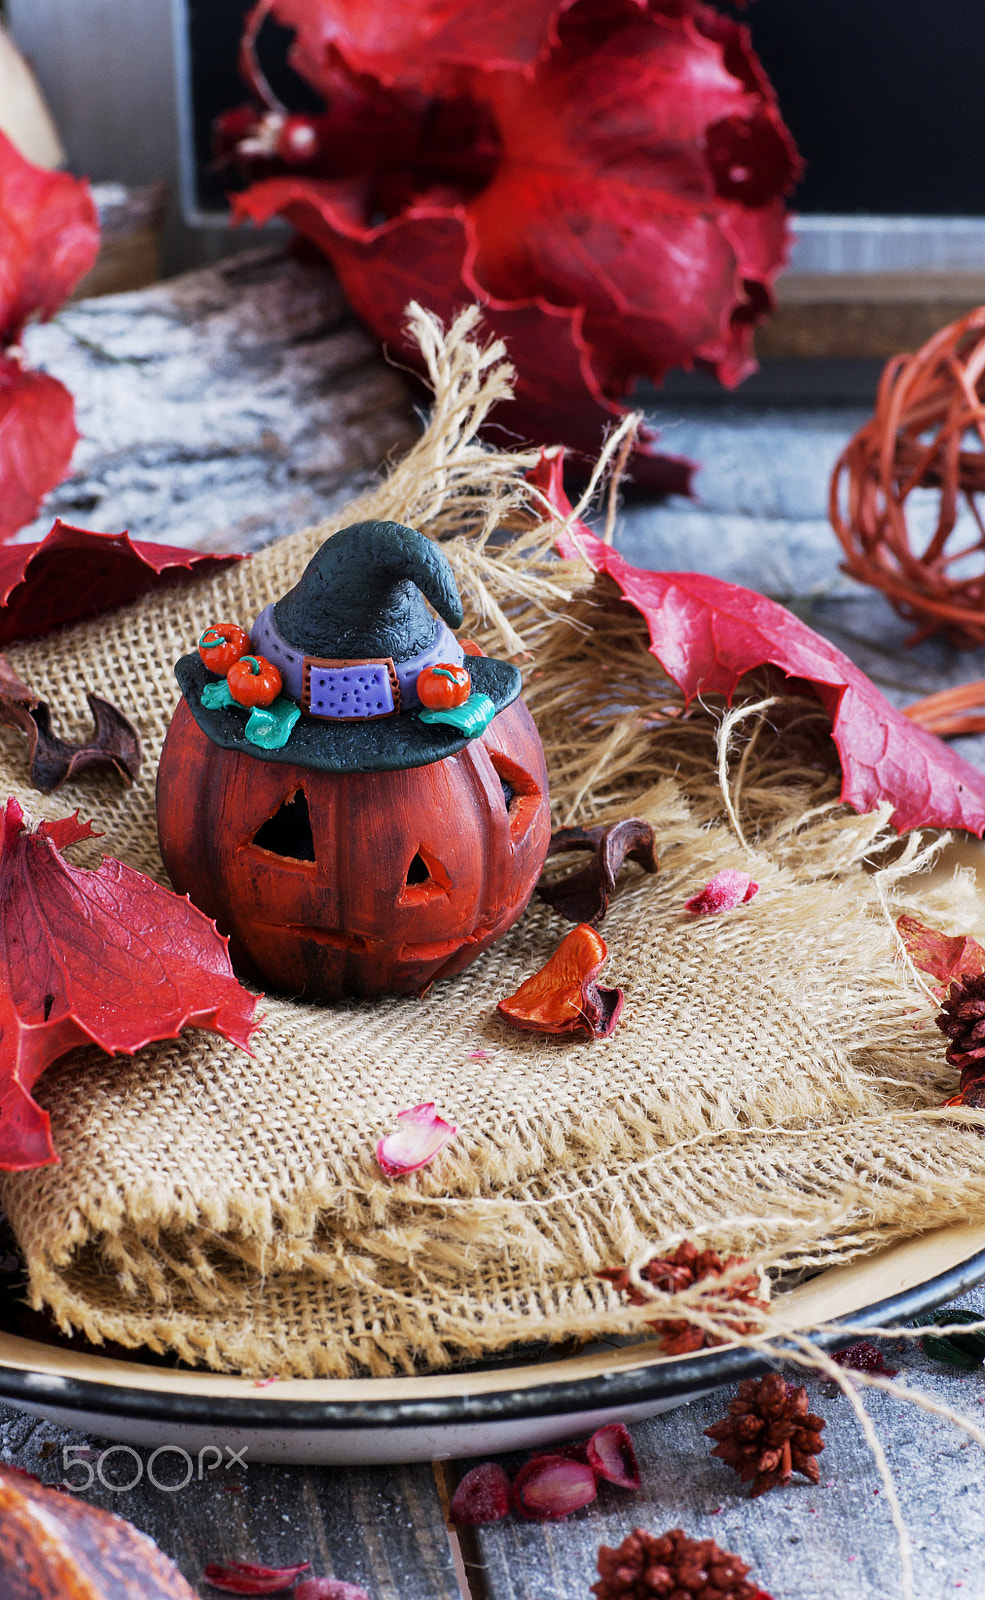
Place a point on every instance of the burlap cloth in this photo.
(772, 1086)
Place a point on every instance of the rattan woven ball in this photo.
(904, 491)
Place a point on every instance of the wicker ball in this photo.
(927, 433)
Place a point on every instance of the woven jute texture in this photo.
(773, 1086)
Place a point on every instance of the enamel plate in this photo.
(476, 1412)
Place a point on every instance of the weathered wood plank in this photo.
(223, 408)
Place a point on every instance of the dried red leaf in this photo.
(329, 1589)
(707, 634)
(605, 180)
(584, 896)
(939, 955)
(864, 1356)
(104, 957)
(76, 573)
(482, 1496)
(243, 1577)
(612, 1457)
(421, 1134)
(548, 1488)
(37, 437)
(49, 236)
(55, 1546)
(114, 743)
(726, 890)
(563, 996)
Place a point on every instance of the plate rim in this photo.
(604, 1391)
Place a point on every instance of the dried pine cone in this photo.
(769, 1434)
(688, 1265)
(962, 1018)
(672, 1567)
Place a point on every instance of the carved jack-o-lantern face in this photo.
(356, 883)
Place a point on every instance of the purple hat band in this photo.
(351, 690)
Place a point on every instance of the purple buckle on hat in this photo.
(351, 690)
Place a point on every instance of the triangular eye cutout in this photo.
(426, 879)
(288, 832)
(418, 872)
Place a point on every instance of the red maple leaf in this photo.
(104, 957)
(707, 634)
(49, 236)
(37, 437)
(76, 573)
(613, 202)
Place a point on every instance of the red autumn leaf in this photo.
(75, 573)
(245, 1577)
(564, 997)
(615, 207)
(104, 957)
(49, 238)
(939, 955)
(707, 634)
(37, 437)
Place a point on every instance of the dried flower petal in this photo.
(329, 1589)
(563, 996)
(864, 1356)
(584, 896)
(243, 1577)
(482, 1496)
(726, 890)
(550, 1487)
(612, 1457)
(422, 1133)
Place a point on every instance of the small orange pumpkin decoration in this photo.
(366, 855)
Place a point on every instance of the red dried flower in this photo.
(671, 1274)
(670, 1566)
(563, 997)
(769, 1434)
(864, 1356)
(606, 180)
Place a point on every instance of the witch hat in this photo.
(350, 640)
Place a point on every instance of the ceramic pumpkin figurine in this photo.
(349, 837)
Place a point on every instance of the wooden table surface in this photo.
(243, 402)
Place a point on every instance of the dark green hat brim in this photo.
(379, 744)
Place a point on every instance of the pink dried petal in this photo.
(548, 1488)
(329, 1589)
(416, 1142)
(482, 1496)
(244, 1577)
(864, 1356)
(726, 890)
(572, 1452)
(612, 1457)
